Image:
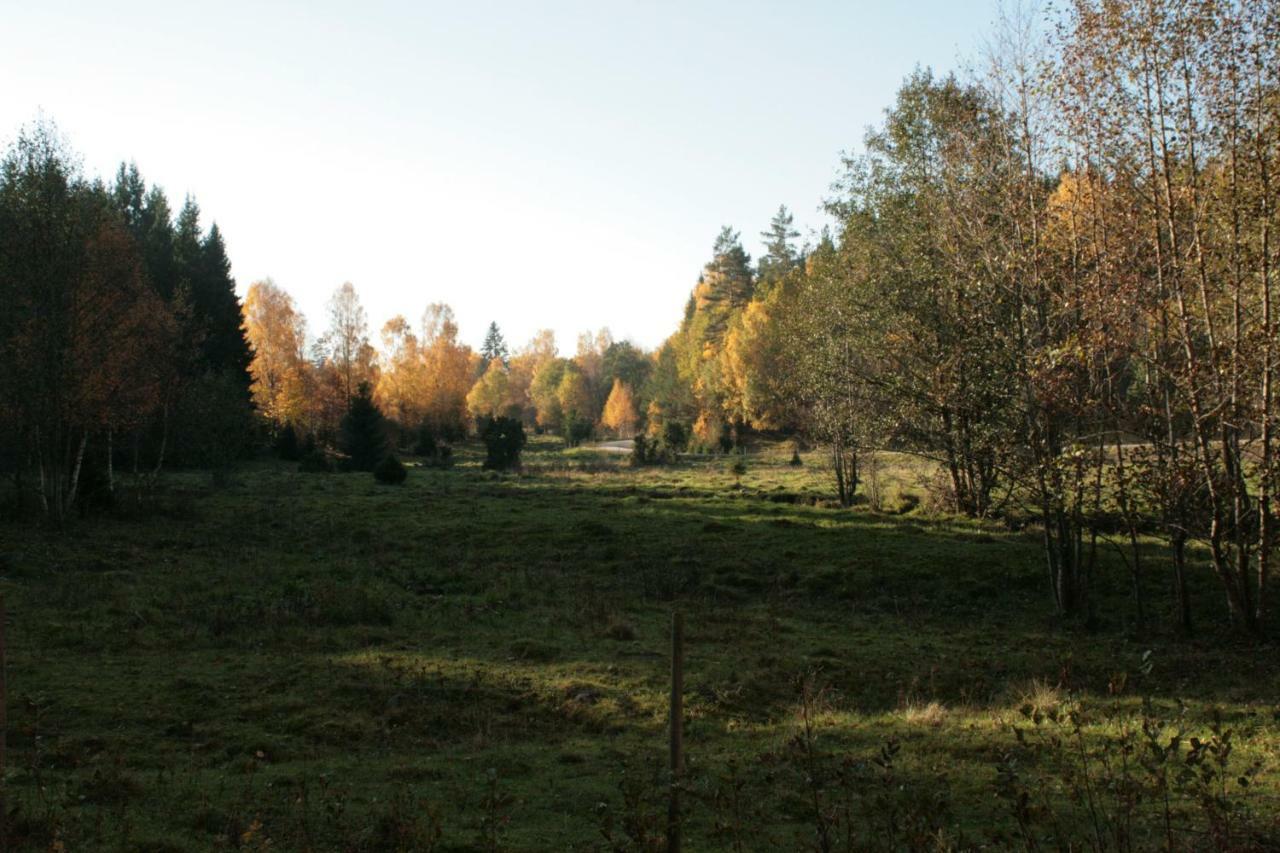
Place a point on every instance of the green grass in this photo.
(316, 661)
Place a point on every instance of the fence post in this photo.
(677, 730)
(4, 733)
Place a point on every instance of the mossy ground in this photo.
(318, 661)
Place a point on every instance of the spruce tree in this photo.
(157, 243)
(364, 437)
(226, 348)
(129, 197)
(494, 346)
(202, 272)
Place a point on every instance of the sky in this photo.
(562, 165)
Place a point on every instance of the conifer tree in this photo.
(780, 255)
(728, 276)
(494, 346)
(156, 228)
(226, 348)
(364, 431)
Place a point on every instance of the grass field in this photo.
(479, 661)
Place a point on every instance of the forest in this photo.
(970, 500)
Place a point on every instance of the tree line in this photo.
(424, 380)
(1055, 276)
(120, 334)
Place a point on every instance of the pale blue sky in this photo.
(562, 165)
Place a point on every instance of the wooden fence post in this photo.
(4, 733)
(677, 731)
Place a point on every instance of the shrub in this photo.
(287, 447)
(426, 442)
(576, 431)
(650, 451)
(640, 451)
(620, 629)
(675, 437)
(432, 447)
(390, 472)
(315, 461)
(503, 438)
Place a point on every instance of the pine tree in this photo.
(494, 346)
(728, 277)
(364, 431)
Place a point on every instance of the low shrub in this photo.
(390, 471)
(426, 444)
(641, 450)
(315, 461)
(675, 436)
(576, 431)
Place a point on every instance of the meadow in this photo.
(477, 660)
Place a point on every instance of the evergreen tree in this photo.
(203, 278)
(494, 346)
(226, 348)
(364, 437)
(147, 215)
(780, 255)
(728, 276)
(504, 438)
(186, 243)
(157, 243)
(129, 197)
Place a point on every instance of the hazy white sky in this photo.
(552, 164)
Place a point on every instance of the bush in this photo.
(674, 436)
(433, 449)
(390, 472)
(287, 447)
(315, 461)
(426, 442)
(641, 451)
(503, 438)
(577, 431)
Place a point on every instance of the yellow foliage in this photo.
(489, 396)
(708, 428)
(620, 409)
(574, 395)
(276, 332)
